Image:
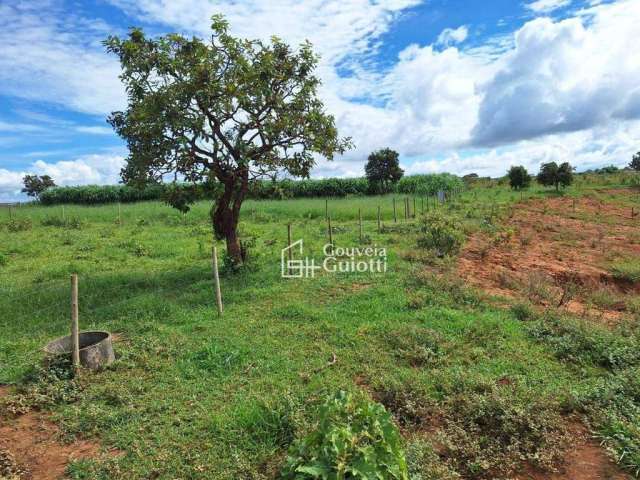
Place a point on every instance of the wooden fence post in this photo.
(379, 224)
(75, 332)
(395, 217)
(329, 229)
(10, 212)
(216, 279)
(290, 253)
(326, 208)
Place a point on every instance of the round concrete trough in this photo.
(96, 349)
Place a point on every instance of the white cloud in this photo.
(95, 130)
(547, 6)
(100, 169)
(19, 127)
(611, 145)
(338, 29)
(52, 56)
(453, 36)
(564, 76)
(10, 185)
(550, 87)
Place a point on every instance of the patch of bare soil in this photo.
(30, 448)
(556, 253)
(586, 460)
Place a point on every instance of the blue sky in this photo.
(453, 85)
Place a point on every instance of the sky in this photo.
(452, 85)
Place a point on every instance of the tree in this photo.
(519, 178)
(635, 162)
(553, 175)
(224, 110)
(383, 170)
(34, 185)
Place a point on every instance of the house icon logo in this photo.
(296, 268)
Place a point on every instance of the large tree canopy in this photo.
(383, 170)
(224, 109)
(553, 175)
(34, 185)
(519, 178)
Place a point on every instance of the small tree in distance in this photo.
(383, 170)
(519, 178)
(553, 175)
(222, 109)
(635, 162)
(34, 185)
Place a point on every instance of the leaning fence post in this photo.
(329, 229)
(75, 333)
(216, 279)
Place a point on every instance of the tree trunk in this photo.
(225, 214)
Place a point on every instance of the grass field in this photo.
(478, 390)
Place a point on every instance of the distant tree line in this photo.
(181, 194)
(550, 175)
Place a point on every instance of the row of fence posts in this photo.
(441, 198)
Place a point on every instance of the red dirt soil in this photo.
(33, 442)
(585, 461)
(551, 245)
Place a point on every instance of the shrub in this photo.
(627, 271)
(355, 439)
(441, 234)
(52, 221)
(491, 434)
(519, 178)
(587, 345)
(19, 225)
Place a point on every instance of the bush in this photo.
(441, 234)
(491, 434)
(587, 345)
(355, 439)
(428, 184)
(19, 225)
(627, 271)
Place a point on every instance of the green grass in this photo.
(195, 395)
(628, 270)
